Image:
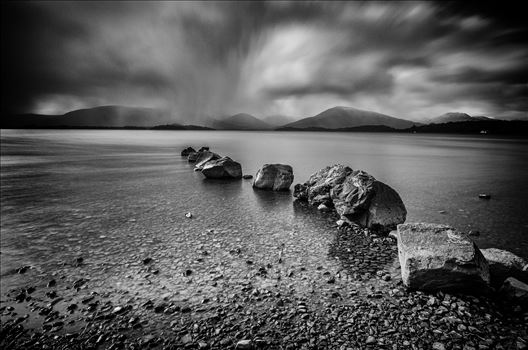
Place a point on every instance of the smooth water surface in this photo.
(67, 192)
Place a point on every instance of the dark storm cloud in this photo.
(408, 59)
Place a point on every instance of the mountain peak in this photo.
(348, 117)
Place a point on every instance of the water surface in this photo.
(67, 192)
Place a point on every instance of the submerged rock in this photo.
(223, 168)
(356, 195)
(247, 177)
(437, 257)
(504, 264)
(203, 148)
(204, 157)
(276, 177)
(187, 151)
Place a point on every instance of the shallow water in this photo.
(105, 194)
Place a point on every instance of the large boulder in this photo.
(223, 168)
(203, 158)
(515, 291)
(504, 264)
(187, 151)
(276, 177)
(356, 195)
(437, 257)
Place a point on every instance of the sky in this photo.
(411, 60)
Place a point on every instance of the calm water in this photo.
(70, 192)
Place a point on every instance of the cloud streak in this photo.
(412, 60)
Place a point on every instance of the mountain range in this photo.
(333, 119)
(455, 117)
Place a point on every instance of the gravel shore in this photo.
(223, 290)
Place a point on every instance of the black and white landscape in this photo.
(263, 175)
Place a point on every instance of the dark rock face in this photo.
(356, 195)
(187, 151)
(223, 168)
(276, 177)
(437, 257)
(515, 291)
(504, 264)
(204, 157)
(204, 148)
(191, 158)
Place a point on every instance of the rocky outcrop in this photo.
(504, 264)
(203, 158)
(516, 291)
(276, 177)
(204, 148)
(437, 257)
(187, 151)
(223, 168)
(356, 195)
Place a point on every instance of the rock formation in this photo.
(356, 195)
(437, 257)
(276, 177)
(223, 168)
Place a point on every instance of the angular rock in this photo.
(504, 264)
(356, 196)
(204, 157)
(276, 177)
(187, 151)
(515, 290)
(223, 168)
(204, 148)
(437, 257)
(191, 158)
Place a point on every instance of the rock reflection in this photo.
(272, 200)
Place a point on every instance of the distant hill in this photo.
(278, 120)
(456, 117)
(347, 117)
(104, 116)
(175, 126)
(241, 121)
(488, 127)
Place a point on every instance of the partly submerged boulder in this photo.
(204, 148)
(204, 157)
(356, 195)
(504, 264)
(276, 177)
(437, 257)
(187, 151)
(223, 168)
(515, 291)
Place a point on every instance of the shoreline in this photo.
(267, 307)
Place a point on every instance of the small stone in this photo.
(438, 346)
(247, 177)
(474, 233)
(52, 283)
(244, 344)
(370, 340)
(187, 273)
(147, 261)
(323, 207)
(485, 196)
(23, 269)
(188, 215)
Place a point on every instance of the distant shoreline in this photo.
(502, 127)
